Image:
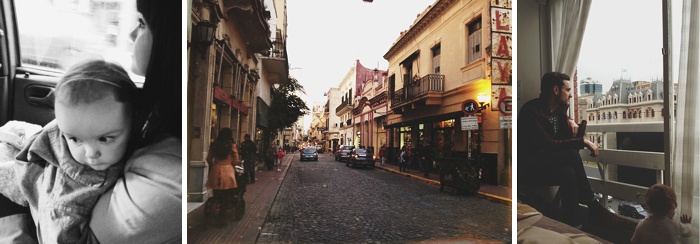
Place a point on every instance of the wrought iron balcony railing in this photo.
(342, 106)
(418, 88)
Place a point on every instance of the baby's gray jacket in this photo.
(59, 191)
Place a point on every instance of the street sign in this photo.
(470, 123)
(505, 105)
(470, 107)
(506, 122)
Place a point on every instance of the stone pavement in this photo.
(260, 196)
(495, 193)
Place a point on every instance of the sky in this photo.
(324, 38)
(626, 42)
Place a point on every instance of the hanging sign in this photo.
(470, 123)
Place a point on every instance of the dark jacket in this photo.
(536, 132)
(248, 150)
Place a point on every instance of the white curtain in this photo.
(568, 23)
(685, 174)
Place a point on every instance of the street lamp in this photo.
(483, 99)
(204, 32)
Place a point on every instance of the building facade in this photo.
(234, 59)
(369, 84)
(344, 109)
(332, 133)
(442, 61)
(590, 86)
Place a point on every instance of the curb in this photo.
(488, 196)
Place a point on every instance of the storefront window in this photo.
(214, 121)
(444, 124)
(444, 137)
(405, 136)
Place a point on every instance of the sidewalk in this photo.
(494, 193)
(258, 199)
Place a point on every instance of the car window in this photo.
(347, 147)
(309, 149)
(360, 151)
(54, 34)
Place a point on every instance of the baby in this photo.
(61, 172)
(660, 227)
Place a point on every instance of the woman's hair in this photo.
(221, 147)
(160, 105)
(93, 79)
(659, 198)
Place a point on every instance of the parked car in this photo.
(319, 148)
(343, 153)
(631, 209)
(361, 157)
(308, 153)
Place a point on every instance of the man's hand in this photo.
(686, 219)
(591, 146)
(574, 127)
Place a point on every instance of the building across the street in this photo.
(455, 52)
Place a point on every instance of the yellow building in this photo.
(455, 51)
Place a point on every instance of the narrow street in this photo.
(329, 202)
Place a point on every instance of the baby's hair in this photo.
(659, 198)
(93, 79)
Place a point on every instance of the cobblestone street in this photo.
(329, 202)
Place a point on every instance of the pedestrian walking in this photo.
(248, 151)
(405, 158)
(222, 157)
(279, 156)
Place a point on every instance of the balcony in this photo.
(252, 17)
(631, 158)
(425, 91)
(276, 66)
(343, 108)
(610, 157)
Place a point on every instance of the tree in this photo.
(286, 107)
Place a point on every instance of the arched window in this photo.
(615, 115)
(598, 115)
(652, 113)
(609, 117)
(624, 114)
